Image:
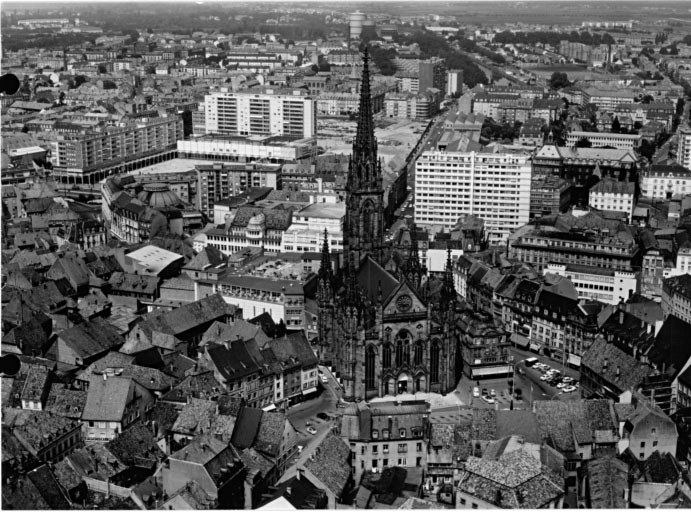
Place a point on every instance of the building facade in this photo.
(492, 186)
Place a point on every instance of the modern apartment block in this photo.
(220, 181)
(613, 196)
(290, 113)
(454, 81)
(90, 157)
(492, 186)
(684, 149)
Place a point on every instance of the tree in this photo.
(647, 99)
(584, 143)
(559, 80)
(616, 125)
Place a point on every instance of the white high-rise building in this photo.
(454, 81)
(272, 112)
(684, 149)
(492, 186)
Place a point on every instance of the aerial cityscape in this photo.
(355, 255)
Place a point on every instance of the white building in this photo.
(290, 113)
(250, 148)
(306, 233)
(598, 283)
(492, 186)
(601, 139)
(613, 196)
(684, 149)
(454, 81)
(664, 182)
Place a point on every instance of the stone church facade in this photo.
(384, 332)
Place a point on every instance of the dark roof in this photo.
(163, 417)
(48, 488)
(630, 373)
(303, 495)
(246, 427)
(66, 402)
(196, 415)
(237, 359)
(661, 468)
(91, 337)
(270, 435)
(671, 349)
(135, 445)
(369, 277)
(230, 405)
(36, 429)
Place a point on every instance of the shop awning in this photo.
(520, 340)
(574, 360)
(535, 347)
(269, 407)
(309, 391)
(492, 370)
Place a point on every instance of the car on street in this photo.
(561, 385)
(492, 393)
(567, 380)
(484, 392)
(488, 399)
(311, 430)
(476, 392)
(324, 379)
(568, 389)
(545, 377)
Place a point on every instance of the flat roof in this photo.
(324, 210)
(154, 259)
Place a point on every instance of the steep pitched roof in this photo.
(246, 427)
(91, 337)
(106, 399)
(270, 434)
(330, 464)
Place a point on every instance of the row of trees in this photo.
(552, 38)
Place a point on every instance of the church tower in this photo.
(325, 298)
(363, 230)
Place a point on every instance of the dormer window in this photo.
(375, 434)
(401, 432)
(385, 434)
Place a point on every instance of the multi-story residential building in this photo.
(289, 113)
(676, 297)
(250, 226)
(416, 76)
(306, 233)
(339, 103)
(663, 182)
(683, 259)
(386, 434)
(598, 283)
(601, 139)
(684, 148)
(454, 81)
(608, 99)
(492, 186)
(571, 240)
(221, 181)
(549, 195)
(613, 196)
(90, 157)
(46, 436)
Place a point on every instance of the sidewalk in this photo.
(436, 400)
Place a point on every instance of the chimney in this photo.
(621, 317)
(618, 371)
(288, 490)
(299, 473)
(105, 376)
(203, 447)
(650, 328)
(604, 364)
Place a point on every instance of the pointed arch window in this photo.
(435, 354)
(419, 353)
(370, 361)
(403, 348)
(386, 356)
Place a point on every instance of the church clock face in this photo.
(404, 303)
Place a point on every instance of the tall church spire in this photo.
(363, 230)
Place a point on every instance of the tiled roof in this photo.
(198, 385)
(209, 256)
(187, 317)
(330, 463)
(211, 453)
(107, 399)
(270, 434)
(661, 468)
(126, 282)
(671, 349)
(66, 402)
(36, 429)
(134, 445)
(111, 359)
(515, 480)
(256, 461)
(631, 371)
(37, 379)
(237, 360)
(67, 477)
(195, 415)
(91, 337)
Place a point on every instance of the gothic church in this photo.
(384, 332)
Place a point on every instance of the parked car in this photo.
(569, 389)
(476, 392)
(488, 399)
(561, 385)
(324, 379)
(484, 392)
(312, 430)
(492, 393)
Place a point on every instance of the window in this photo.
(419, 447)
(375, 449)
(385, 433)
(653, 431)
(462, 501)
(642, 455)
(385, 462)
(474, 505)
(385, 448)
(434, 362)
(654, 443)
(370, 361)
(402, 448)
(386, 360)
(403, 348)
(642, 444)
(375, 434)
(362, 450)
(419, 351)
(401, 432)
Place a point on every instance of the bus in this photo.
(531, 361)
